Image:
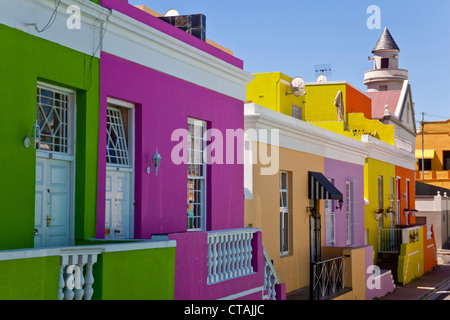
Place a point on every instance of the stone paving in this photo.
(429, 283)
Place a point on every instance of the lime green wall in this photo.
(135, 275)
(372, 170)
(25, 60)
(269, 91)
(29, 279)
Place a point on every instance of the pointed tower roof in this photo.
(386, 42)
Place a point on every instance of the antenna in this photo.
(321, 71)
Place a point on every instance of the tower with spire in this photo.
(386, 75)
(390, 91)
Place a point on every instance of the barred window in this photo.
(196, 182)
(53, 119)
(116, 139)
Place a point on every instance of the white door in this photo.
(54, 165)
(118, 205)
(52, 204)
(119, 173)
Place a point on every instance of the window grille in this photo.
(284, 213)
(297, 112)
(196, 182)
(53, 118)
(349, 210)
(116, 143)
(330, 224)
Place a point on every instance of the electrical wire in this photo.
(52, 17)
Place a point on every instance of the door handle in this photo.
(48, 221)
(116, 230)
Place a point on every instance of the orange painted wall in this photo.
(405, 174)
(358, 102)
(429, 250)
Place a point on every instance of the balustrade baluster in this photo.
(61, 281)
(89, 278)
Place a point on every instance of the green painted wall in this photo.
(135, 275)
(29, 279)
(25, 60)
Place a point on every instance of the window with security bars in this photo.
(196, 177)
(330, 221)
(53, 118)
(284, 213)
(349, 210)
(330, 238)
(116, 138)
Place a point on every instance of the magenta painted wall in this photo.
(191, 270)
(341, 172)
(124, 7)
(160, 206)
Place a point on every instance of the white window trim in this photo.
(349, 211)
(284, 211)
(70, 157)
(131, 154)
(203, 215)
(330, 214)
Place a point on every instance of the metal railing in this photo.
(328, 278)
(390, 240)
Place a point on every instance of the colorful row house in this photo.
(106, 121)
(345, 181)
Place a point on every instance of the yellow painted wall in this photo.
(269, 91)
(411, 262)
(263, 211)
(361, 125)
(372, 169)
(320, 100)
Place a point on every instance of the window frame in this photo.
(284, 215)
(198, 221)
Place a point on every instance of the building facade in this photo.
(113, 167)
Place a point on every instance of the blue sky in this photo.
(292, 36)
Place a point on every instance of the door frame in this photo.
(71, 157)
(131, 107)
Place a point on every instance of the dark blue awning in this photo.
(321, 188)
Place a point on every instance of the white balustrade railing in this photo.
(270, 278)
(229, 254)
(75, 274)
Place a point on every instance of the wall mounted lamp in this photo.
(34, 137)
(156, 162)
(341, 203)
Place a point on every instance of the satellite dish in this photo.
(171, 13)
(322, 78)
(298, 86)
